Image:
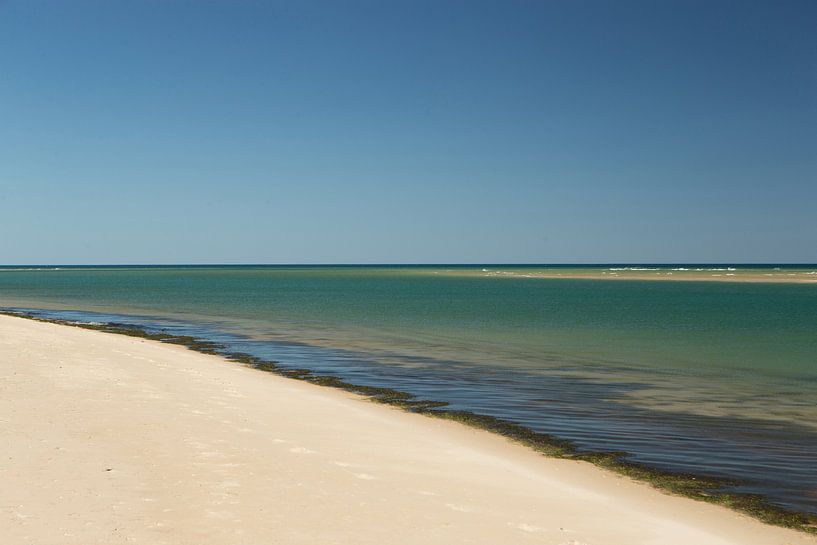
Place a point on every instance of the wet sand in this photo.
(114, 439)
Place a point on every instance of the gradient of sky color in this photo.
(408, 131)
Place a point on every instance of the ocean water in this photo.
(703, 373)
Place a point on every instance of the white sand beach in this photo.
(114, 439)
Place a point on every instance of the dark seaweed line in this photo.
(682, 484)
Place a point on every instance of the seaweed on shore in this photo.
(708, 489)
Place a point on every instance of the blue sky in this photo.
(407, 131)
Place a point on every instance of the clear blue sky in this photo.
(407, 131)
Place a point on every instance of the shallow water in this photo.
(715, 378)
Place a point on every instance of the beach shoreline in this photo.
(591, 273)
(734, 273)
(119, 438)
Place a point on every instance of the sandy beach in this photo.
(589, 273)
(114, 439)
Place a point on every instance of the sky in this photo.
(393, 131)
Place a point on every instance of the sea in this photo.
(701, 369)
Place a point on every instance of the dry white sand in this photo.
(113, 439)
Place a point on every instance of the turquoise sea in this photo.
(702, 373)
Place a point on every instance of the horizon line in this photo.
(419, 264)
